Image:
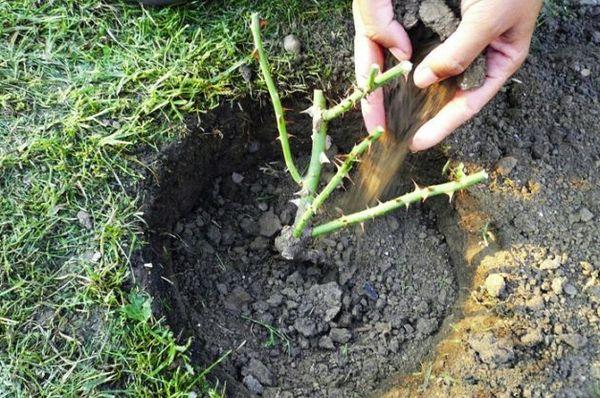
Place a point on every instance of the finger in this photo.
(394, 38)
(454, 55)
(368, 53)
(466, 104)
(375, 19)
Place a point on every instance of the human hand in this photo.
(505, 27)
(376, 29)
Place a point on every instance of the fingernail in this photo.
(424, 77)
(417, 143)
(399, 54)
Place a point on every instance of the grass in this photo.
(86, 89)
(275, 335)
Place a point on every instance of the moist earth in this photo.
(339, 328)
(522, 309)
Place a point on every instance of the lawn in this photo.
(89, 91)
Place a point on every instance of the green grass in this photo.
(85, 88)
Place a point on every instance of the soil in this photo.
(496, 294)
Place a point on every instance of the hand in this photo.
(376, 29)
(505, 27)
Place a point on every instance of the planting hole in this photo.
(372, 311)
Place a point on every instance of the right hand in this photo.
(505, 28)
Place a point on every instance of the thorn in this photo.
(323, 158)
(362, 226)
(309, 111)
(254, 54)
(417, 187)
(450, 195)
(350, 178)
(406, 204)
(446, 167)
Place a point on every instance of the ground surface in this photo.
(90, 90)
(518, 259)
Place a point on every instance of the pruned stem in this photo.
(464, 181)
(319, 136)
(402, 69)
(335, 181)
(279, 115)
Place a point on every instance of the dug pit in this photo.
(371, 310)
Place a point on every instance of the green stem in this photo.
(279, 115)
(402, 69)
(337, 179)
(319, 136)
(418, 194)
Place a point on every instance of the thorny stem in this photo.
(403, 68)
(337, 179)
(279, 115)
(319, 136)
(463, 181)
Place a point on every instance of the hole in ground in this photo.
(343, 328)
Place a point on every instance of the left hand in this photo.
(376, 29)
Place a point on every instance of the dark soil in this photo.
(496, 294)
(340, 328)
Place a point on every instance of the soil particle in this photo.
(569, 289)
(326, 342)
(506, 165)
(495, 285)
(253, 385)
(237, 178)
(438, 17)
(426, 326)
(575, 340)
(550, 264)
(474, 76)
(585, 215)
(269, 224)
(237, 299)
(491, 350)
(532, 337)
(340, 336)
(557, 285)
(259, 371)
(323, 302)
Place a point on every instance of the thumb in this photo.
(454, 55)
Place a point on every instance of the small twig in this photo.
(402, 69)
(337, 179)
(464, 181)
(279, 115)
(319, 136)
